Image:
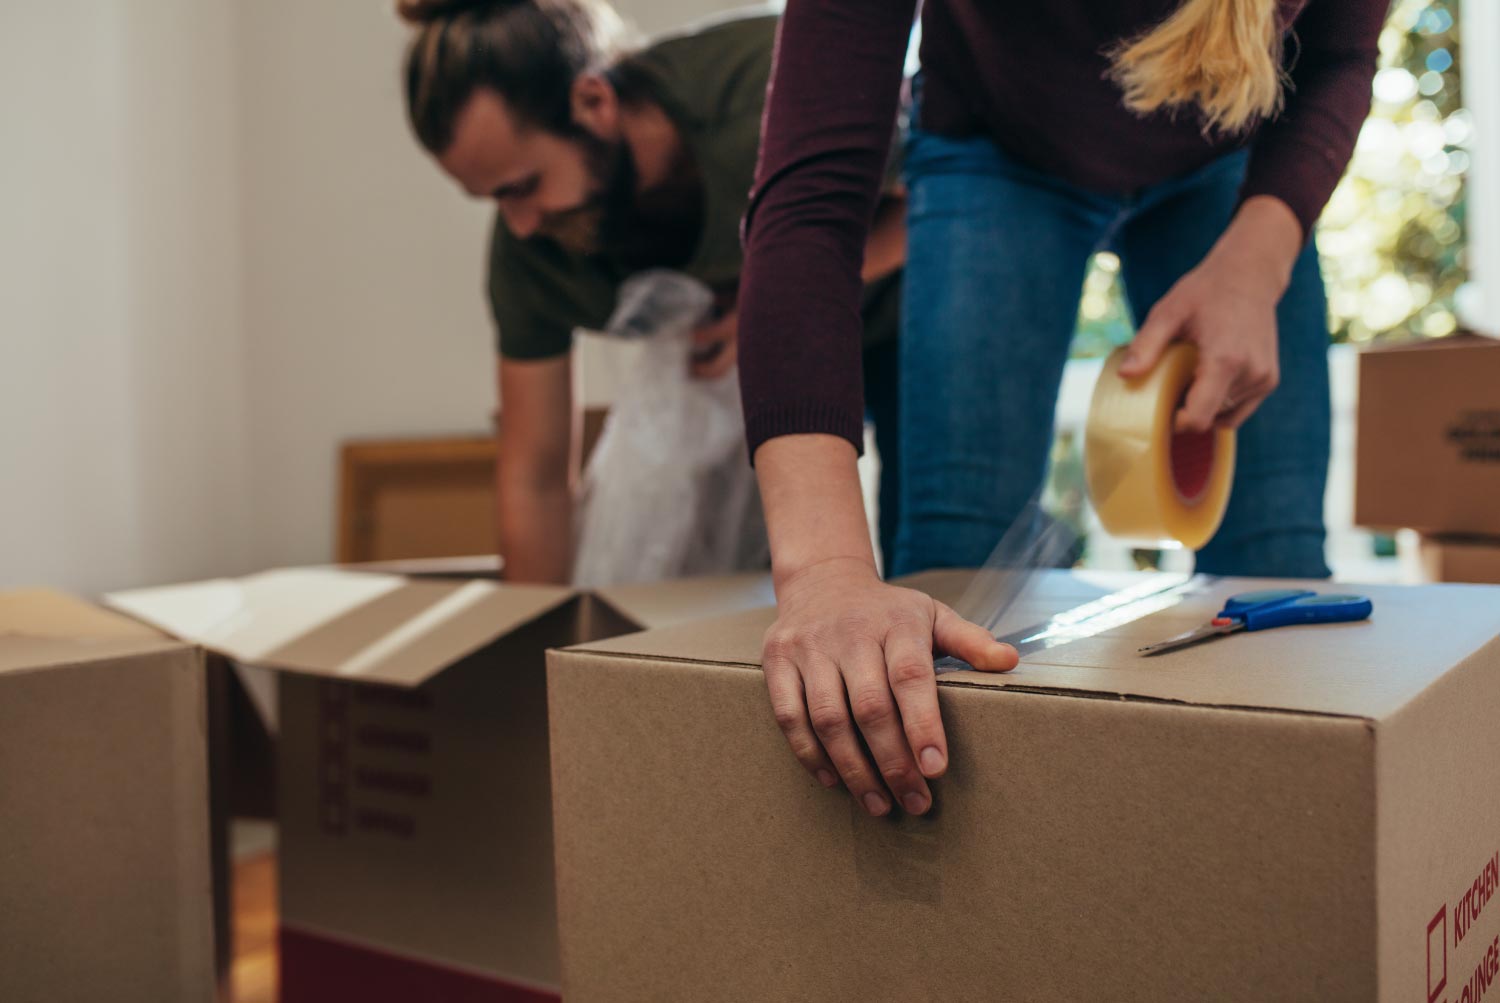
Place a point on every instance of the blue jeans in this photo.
(996, 258)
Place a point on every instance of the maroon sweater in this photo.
(1030, 74)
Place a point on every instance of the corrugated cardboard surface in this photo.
(47, 613)
(414, 790)
(104, 859)
(666, 604)
(1259, 818)
(345, 624)
(42, 629)
(1367, 669)
(1428, 449)
(1438, 771)
(419, 821)
(1082, 849)
(471, 566)
(1461, 559)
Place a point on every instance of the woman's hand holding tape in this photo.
(1227, 307)
(850, 658)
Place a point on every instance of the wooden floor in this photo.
(254, 974)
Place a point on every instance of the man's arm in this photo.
(534, 477)
(885, 252)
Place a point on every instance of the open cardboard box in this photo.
(413, 791)
(104, 808)
(1307, 813)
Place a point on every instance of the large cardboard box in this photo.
(413, 794)
(104, 809)
(1428, 449)
(1460, 559)
(1297, 814)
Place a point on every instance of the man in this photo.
(603, 164)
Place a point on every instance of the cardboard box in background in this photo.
(1428, 446)
(414, 790)
(104, 808)
(422, 498)
(1303, 814)
(1460, 559)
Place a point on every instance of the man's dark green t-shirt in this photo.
(712, 85)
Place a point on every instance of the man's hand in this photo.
(1227, 307)
(715, 347)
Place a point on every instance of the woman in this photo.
(605, 161)
(1197, 139)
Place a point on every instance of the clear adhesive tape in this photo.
(1147, 482)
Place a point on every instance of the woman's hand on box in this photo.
(851, 657)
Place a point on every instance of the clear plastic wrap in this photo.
(668, 490)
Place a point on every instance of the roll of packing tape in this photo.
(1148, 482)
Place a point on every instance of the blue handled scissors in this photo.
(1270, 608)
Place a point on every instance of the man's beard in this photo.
(657, 228)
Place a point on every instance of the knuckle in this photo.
(909, 673)
(781, 644)
(903, 619)
(871, 708)
(922, 727)
(899, 775)
(808, 752)
(788, 717)
(828, 719)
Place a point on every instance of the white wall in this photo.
(364, 266)
(122, 420)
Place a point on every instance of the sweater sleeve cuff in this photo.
(1306, 206)
(804, 419)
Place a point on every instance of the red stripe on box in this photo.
(318, 969)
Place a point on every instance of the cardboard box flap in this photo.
(1368, 670)
(666, 604)
(47, 613)
(43, 629)
(1453, 342)
(332, 622)
(474, 566)
(23, 653)
(736, 639)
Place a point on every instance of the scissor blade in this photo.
(1203, 633)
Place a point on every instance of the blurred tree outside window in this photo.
(1392, 236)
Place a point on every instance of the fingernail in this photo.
(932, 760)
(1128, 359)
(915, 803)
(826, 779)
(875, 804)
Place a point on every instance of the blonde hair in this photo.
(1224, 56)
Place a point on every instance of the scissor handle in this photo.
(1311, 608)
(1236, 605)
